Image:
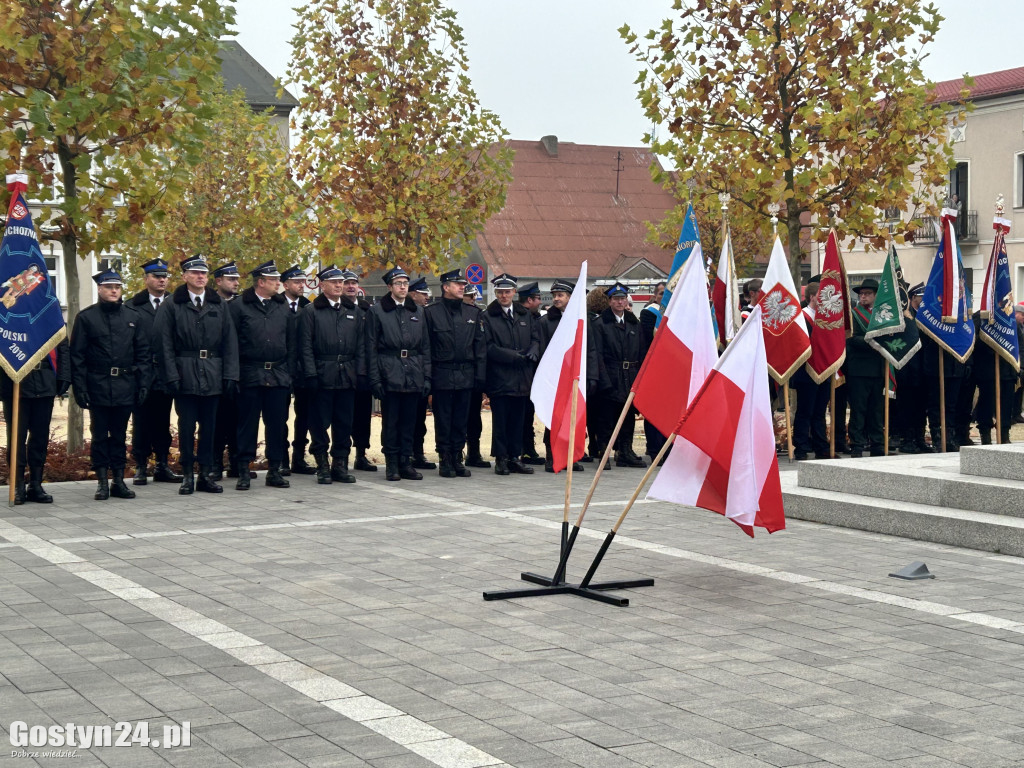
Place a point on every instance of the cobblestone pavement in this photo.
(344, 626)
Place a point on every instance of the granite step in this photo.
(1002, 461)
(933, 479)
(923, 522)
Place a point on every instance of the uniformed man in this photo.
(151, 420)
(226, 279)
(199, 362)
(111, 370)
(912, 392)
(865, 378)
(474, 424)
(529, 299)
(398, 365)
(419, 292)
(266, 357)
(362, 411)
(458, 365)
(620, 351)
(513, 349)
(810, 430)
(332, 348)
(293, 280)
(50, 378)
(984, 365)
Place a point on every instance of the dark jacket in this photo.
(458, 350)
(394, 330)
(143, 304)
(509, 371)
(620, 351)
(198, 348)
(110, 358)
(549, 324)
(265, 356)
(42, 381)
(332, 343)
(862, 360)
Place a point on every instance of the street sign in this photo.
(475, 274)
(312, 282)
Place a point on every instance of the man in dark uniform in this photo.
(561, 290)
(810, 432)
(419, 292)
(226, 279)
(458, 364)
(111, 369)
(49, 379)
(332, 355)
(865, 379)
(199, 362)
(265, 327)
(151, 420)
(398, 366)
(529, 299)
(474, 424)
(513, 349)
(362, 411)
(620, 352)
(912, 392)
(984, 366)
(293, 280)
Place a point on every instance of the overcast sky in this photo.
(559, 66)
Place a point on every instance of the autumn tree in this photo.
(238, 203)
(397, 158)
(806, 103)
(93, 93)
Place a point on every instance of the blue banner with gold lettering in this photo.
(31, 321)
(998, 326)
(689, 236)
(947, 276)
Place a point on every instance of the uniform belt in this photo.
(202, 354)
(627, 364)
(335, 358)
(266, 366)
(395, 352)
(112, 370)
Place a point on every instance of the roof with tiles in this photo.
(988, 86)
(562, 208)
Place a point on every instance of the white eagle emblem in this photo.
(779, 310)
(830, 301)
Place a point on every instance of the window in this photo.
(1018, 180)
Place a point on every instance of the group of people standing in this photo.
(227, 360)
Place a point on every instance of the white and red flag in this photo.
(786, 342)
(726, 295)
(682, 354)
(724, 457)
(565, 362)
(832, 320)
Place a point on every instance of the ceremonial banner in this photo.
(565, 362)
(786, 342)
(832, 324)
(998, 326)
(689, 236)
(724, 459)
(950, 325)
(31, 322)
(726, 294)
(892, 331)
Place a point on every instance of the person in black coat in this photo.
(332, 356)
(151, 420)
(398, 366)
(529, 299)
(865, 379)
(225, 435)
(266, 360)
(50, 378)
(458, 364)
(198, 359)
(912, 392)
(513, 349)
(293, 280)
(419, 292)
(620, 352)
(111, 371)
(474, 424)
(362, 409)
(983, 362)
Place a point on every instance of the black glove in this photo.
(62, 388)
(82, 398)
(141, 395)
(532, 356)
(377, 390)
(172, 387)
(230, 388)
(425, 389)
(312, 382)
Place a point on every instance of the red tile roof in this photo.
(987, 86)
(562, 210)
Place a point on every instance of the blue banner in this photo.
(689, 236)
(957, 337)
(998, 326)
(31, 321)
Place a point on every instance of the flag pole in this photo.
(789, 423)
(832, 417)
(568, 464)
(999, 410)
(942, 400)
(12, 453)
(885, 429)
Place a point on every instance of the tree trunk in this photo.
(796, 255)
(69, 245)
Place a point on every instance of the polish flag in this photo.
(565, 362)
(950, 268)
(724, 457)
(786, 341)
(682, 353)
(725, 295)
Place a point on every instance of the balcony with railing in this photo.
(928, 229)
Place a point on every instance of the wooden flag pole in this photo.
(12, 452)
(568, 464)
(999, 410)
(885, 427)
(832, 416)
(942, 400)
(789, 422)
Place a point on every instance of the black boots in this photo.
(140, 471)
(516, 465)
(102, 488)
(117, 487)
(275, 479)
(188, 482)
(363, 464)
(626, 458)
(407, 470)
(339, 470)
(501, 465)
(458, 466)
(323, 469)
(207, 482)
(391, 467)
(19, 487)
(986, 437)
(164, 474)
(299, 465)
(244, 482)
(447, 469)
(419, 461)
(474, 459)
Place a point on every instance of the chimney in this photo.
(550, 144)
